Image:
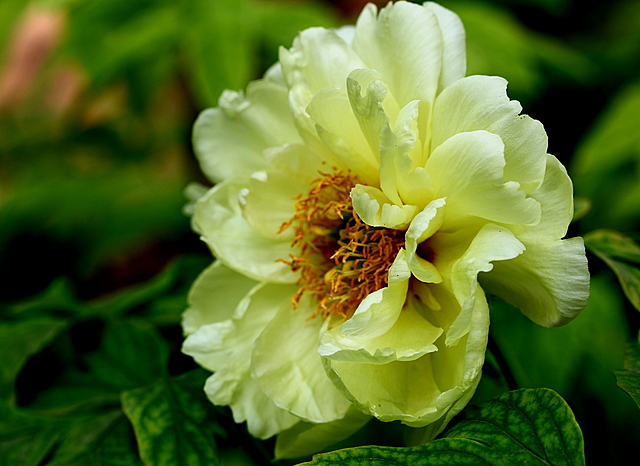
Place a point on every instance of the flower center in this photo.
(342, 259)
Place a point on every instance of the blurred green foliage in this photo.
(97, 99)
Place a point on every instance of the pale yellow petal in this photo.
(467, 169)
(481, 103)
(306, 438)
(219, 219)
(555, 196)
(268, 202)
(229, 140)
(549, 282)
(287, 367)
(404, 43)
(375, 209)
(214, 296)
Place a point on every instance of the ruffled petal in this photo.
(305, 438)
(367, 108)
(423, 226)
(481, 103)
(225, 347)
(339, 131)
(491, 244)
(214, 296)
(219, 219)
(410, 337)
(404, 44)
(434, 387)
(229, 140)
(549, 282)
(269, 202)
(454, 54)
(555, 196)
(375, 209)
(467, 170)
(264, 419)
(287, 367)
(317, 59)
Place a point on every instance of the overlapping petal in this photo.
(229, 140)
(226, 347)
(468, 170)
(481, 103)
(287, 367)
(219, 219)
(214, 296)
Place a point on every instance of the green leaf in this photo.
(19, 341)
(105, 439)
(26, 440)
(616, 250)
(527, 426)
(577, 361)
(173, 422)
(629, 379)
(610, 151)
(132, 354)
(57, 297)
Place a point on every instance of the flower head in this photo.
(367, 196)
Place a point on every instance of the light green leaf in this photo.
(629, 379)
(527, 426)
(611, 151)
(616, 250)
(20, 340)
(172, 422)
(220, 46)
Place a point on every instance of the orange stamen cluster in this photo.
(341, 259)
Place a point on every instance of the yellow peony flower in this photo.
(367, 195)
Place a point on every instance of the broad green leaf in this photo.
(526, 426)
(165, 294)
(614, 244)
(20, 340)
(26, 440)
(104, 439)
(629, 378)
(616, 250)
(132, 354)
(172, 423)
